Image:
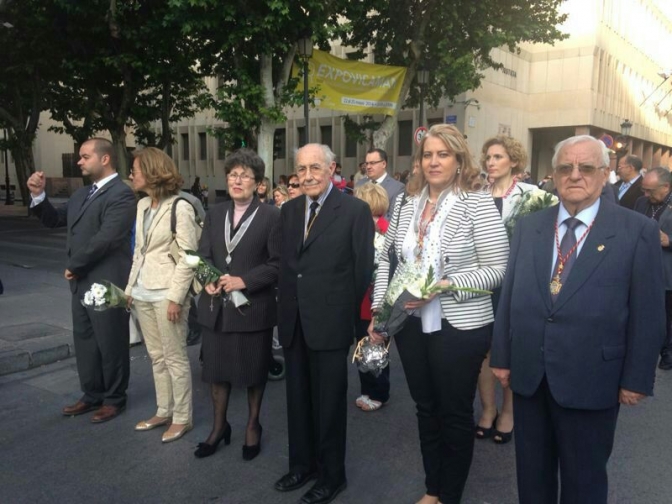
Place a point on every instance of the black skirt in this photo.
(240, 358)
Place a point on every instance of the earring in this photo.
(458, 169)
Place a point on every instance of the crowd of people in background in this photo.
(579, 311)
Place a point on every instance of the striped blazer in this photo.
(475, 250)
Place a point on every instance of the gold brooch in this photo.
(600, 248)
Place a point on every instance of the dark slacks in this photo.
(667, 345)
(376, 387)
(548, 435)
(442, 371)
(102, 348)
(317, 384)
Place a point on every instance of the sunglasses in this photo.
(294, 185)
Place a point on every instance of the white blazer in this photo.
(475, 243)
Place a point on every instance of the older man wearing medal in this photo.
(578, 330)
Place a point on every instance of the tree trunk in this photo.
(387, 127)
(265, 145)
(22, 152)
(267, 127)
(123, 161)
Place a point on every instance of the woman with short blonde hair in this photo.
(375, 196)
(280, 195)
(158, 287)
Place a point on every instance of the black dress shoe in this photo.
(293, 480)
(665, 362)
(321, 494)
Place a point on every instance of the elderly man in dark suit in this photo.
(657, 205)
(325, 269)
(578, 329)
(376, 173)
(630, 186)
(99, 219)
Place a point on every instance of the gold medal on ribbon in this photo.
(556, 285)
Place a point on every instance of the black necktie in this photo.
(313, 213)
(374, 181)
(93, 189)
(568, 242)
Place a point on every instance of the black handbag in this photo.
(392, 256)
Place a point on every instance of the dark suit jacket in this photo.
(393, 188)
(665, 225)
(609, 193)
(99, 233)
(631, 195)
(255, 260)
(323, 280)
(606, 327)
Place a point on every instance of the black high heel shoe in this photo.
(485, 433)
(250, 452)
(205, 449)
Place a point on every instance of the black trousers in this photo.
(317, 384)
(102, 348)
(667, 346)
(442, 371)
(578, 441)
(376, 387)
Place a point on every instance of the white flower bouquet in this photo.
(206, 273)
(409, 284)
(104, 295)
(528, 203)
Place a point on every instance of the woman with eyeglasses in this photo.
(503, 158)
(241, 238)
(293, 186)
(449, 227)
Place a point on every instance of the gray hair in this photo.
(663, 174)
(604, 152)
(329, 156)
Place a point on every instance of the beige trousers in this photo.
(166, 344)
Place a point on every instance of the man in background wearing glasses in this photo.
(579, 326)
(376, 173)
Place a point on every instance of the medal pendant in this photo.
(555, 286)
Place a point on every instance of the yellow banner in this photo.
(353, 86)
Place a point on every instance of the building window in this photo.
(350, 146)
(169, 149)
(326, 134)
(432, 122)
(405, 144)
(185, 146)
(302, 136)
(203, 145)
(279, 143)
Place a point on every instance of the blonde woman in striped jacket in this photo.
(448, 224)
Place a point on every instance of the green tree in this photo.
(29, 48)
(254, 47)
(128, 64)
(453, 39)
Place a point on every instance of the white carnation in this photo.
(192, 261)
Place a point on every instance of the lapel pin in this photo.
(600, 248)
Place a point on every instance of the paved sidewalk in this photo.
(35, 319)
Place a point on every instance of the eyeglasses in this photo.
(649, 191)
(244, 177)
(584, 169)
(371, 163)
(294, 185)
